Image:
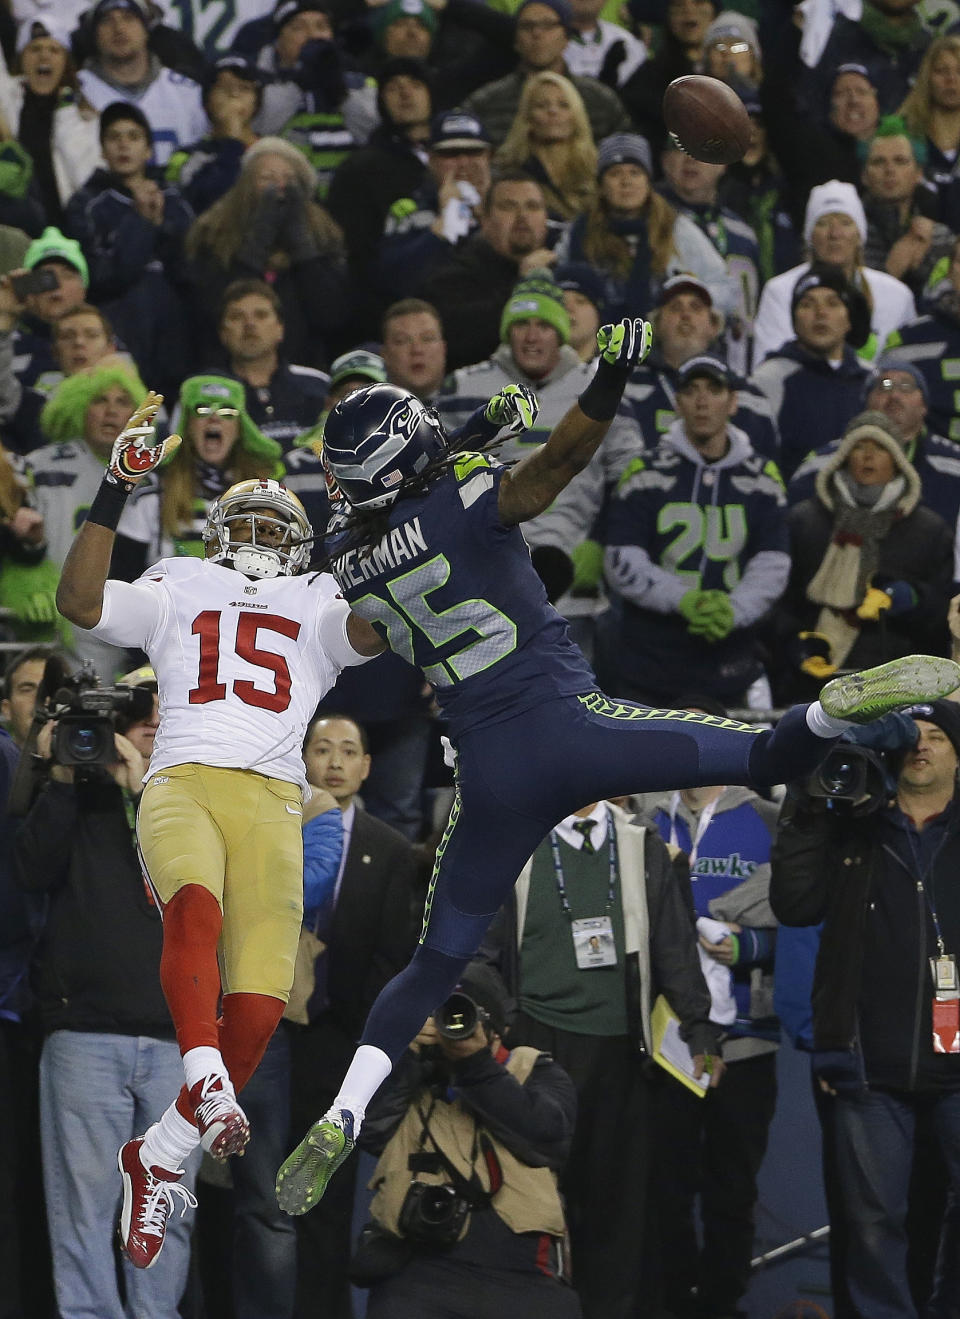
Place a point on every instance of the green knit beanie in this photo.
(52, 245)
(222, 392)
(536, 297)
(65, 411)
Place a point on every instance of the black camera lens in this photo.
(457, 1018)
(83, 744)
(438, 1204)
(839, 777)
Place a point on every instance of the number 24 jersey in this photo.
(241, 664)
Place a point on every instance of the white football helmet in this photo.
(263, 506)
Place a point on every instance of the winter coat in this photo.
(932, 344)
(469, 290)
(811, 398)
(75, 140)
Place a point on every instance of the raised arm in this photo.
(531, 487)
(87, 565)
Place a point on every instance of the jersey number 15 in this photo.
(206, 626)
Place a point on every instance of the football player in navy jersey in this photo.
(430, 552)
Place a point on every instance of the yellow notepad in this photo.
(670, 1051)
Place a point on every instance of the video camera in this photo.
(851, 778)
(87, 717)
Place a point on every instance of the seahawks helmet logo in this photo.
(401, 424)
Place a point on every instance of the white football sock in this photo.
(822, 724)
(365, 1075)
(203, 1061)
(169, 1141)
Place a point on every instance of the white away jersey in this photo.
(241, 664)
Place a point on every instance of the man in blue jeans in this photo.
(886, 1012)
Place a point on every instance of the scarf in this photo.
(862, 517)
(639, 281)
(35, 134)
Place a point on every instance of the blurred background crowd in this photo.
(256, 210)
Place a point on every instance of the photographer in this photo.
(110, 1057)
(468, 1222)
(880, 873)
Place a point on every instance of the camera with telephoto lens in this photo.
(457, 1018)
(87, 714)
(433, 1215)
(851, 778)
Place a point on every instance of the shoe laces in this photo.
(158, 1204)
(215, 1103)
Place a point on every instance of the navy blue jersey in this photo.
(453, 591)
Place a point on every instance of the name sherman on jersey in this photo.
(461, 614)
(399, 545)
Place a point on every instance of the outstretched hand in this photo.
(625, 344)
(133, 454)
(515, 409)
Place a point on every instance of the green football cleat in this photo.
(303, 1178)
(871, 693)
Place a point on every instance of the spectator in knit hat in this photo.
(131, 225)
(904, 237)
(534, 350)
(897, 388)
(232, 95)
(814, 382)
(122, 67)
(871, 565)
(421, 229)
(731, 50)
(834, 232)
(600, 49)
(471, 286)
(310, 97)
(391, 166)
(267, 226)
(543, 28)
(636, 238)
(583, 299)
(41, 108)
(34, 315)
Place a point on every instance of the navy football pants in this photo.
(517, 779)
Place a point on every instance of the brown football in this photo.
(707, 118)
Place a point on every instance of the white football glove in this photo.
(133, 455)
(625, 344)
(515, 409)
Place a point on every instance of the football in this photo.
(707, 118)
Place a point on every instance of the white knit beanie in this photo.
(834, 198)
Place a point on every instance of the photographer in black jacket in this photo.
(882, 876)
(110, 1058)
(467, 1219)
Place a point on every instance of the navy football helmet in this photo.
(378, 438)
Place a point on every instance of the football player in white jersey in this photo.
(244, 646)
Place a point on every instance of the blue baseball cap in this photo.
(887, 364)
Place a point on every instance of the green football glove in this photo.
(29, 592)
(514, 409)
(587, 567)
(625, 344)
(709, 614)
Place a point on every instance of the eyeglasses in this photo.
(895, 386)
(731, 47)
(204, 411)
(538, 24)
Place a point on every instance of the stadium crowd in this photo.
(256, 214)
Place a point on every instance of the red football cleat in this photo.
(148, 1198)
(224, 1129)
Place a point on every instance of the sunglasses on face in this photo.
(204, 411)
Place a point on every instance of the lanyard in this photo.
(922, 878)
(558, 869)
(703, 824)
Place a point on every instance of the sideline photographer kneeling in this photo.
(110, 1056)
(881, 870)
(467, 1219)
